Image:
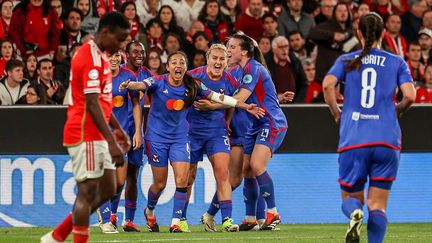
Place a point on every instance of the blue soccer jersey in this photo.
(257, 80)
(205, 124)
(369, 113)
(167, 116)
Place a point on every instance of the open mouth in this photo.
(178, 73)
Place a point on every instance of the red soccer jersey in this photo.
(90, 73)
(424, 95)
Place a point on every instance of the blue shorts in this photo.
(379, 163)
(265, 136)
(236, 141)
(135, 157)
(158, 154)
(218, 144)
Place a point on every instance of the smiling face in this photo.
(130, 12)
(177, 67)
(216, 62)
(115, 61)
(136, 54)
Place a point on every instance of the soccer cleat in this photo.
(353, 232)
(130, 226)
(151, 222)
(229, 226)
(113, 219)
(261, 222)
(175, 229)
(184, 226)
(48, 238)
(209, 223)
(271, 222)
(249, 226)
(108, 228)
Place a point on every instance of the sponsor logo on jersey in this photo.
(247, 79)
(93, 74)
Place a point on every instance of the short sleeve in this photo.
(404, 74)
(91, 79)
(338, 69)
(150, 84)
(203, 90)
(250, 78)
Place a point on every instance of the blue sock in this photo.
(105, 211)
(130, 208)
(265, 183)
(180, 197)
(115, 200)
(214, 205)
(349, 205)
(250, 193)
(261, 206)
(184, 213)
(226, 209)
(152, 199)
(377, 226)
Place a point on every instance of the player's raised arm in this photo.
(134, 85)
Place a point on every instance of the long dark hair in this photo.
(125, 5)
(371, 26)
(190, 82)
(203, 13)
(251, 46)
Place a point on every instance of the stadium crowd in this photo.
(300, 38)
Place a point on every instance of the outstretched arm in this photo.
(232, 102)
(132, 85)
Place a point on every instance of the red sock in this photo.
(81, 233)
(63, 229)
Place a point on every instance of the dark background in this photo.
(39, 130)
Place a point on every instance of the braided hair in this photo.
(371, 26)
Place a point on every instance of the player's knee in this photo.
(221, 176)
(181, 181)
(376, 204)
(159, 185)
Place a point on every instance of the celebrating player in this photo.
(370, 136)
(167, 130)
(93, 147)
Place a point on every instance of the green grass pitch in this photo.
(402, 233)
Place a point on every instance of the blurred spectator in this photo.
(297, 45)
(384, 8)
(194, 28)
(7, 53)
(54, 89)
(402, 5)
(57, 6)
(154, 34)
(424, 92)
(6, 7)
(250, 21)
(270, 25)
(427, 19)
(104, 6)
(264, 43)
(34, 96)
(30, 68)
(413, 61)
(193, 8)
(425, 41)
(154, 61)
(62, 70)
(13, 86)
(72, 33)
(286, 71)
(274, 6)
(169, 22)
(137, 30)
(330, 37)
(215, 27)
(326, 11)
(393, 41)
(198, 59)
(201, 41)
(231, 11)
(362, 10)
(294, 19)
(172, 43)
(33, 28)
(90, 19)
(411, 21)
(147, 9)
(314, 89)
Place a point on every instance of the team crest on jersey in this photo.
(203, 86)
(222, 91)
(93, 74)
(247, 79)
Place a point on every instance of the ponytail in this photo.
(371, 26)
(191, 89)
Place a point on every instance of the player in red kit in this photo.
(94, 148)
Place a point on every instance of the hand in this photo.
(137, 140)
(255, 111)
(203, 105)
(337, 117)
(122, 139)
(124, 85)
(116, 154)
(101, 12)
(339, 37)
(52, 90)
(286, 97)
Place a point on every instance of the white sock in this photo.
(175, 221)
(250, 218)
(272, 210)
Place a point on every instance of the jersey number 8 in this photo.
(369, 77)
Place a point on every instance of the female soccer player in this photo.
(264, 136)
(167, 130)
(370, 136)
